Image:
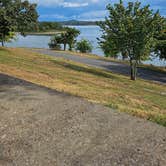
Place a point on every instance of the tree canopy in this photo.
(160, 47)
(130, 30)
(16, 15)
(68, 37)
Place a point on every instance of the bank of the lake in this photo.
(49, 33)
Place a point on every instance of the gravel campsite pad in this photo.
(40, 127)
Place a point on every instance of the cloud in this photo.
(74, 5)
(47, 2)
(63, 3)
(93, 15)
(52, 16)
(85, 9)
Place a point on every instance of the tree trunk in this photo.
(64, 46)
(135, 70)
(133, 66)
(124, 55)
(70, 47)
(2, 44)
(2, 40)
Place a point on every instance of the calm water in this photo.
(87, 32)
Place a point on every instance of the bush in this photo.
(84, 46)
(55, 42)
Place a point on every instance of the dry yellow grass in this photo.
(141, 98)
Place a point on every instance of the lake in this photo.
(87, 32)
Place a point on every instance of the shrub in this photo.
(55, 42)
(84, 46)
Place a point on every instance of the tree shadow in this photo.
(78, 68)
(8, 82)
(11, 81)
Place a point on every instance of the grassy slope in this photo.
(141, 98)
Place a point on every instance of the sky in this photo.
(89, 10)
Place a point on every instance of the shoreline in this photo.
(51, 33)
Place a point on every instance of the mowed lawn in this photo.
(140, 98)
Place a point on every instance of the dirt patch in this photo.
(40, 126)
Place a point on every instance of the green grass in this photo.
(141, 98)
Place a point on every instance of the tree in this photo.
(5, 26)
(67, 37)
(108, 46)
(84, 46)
(70, 37)
(55, 42)
(16, 15)
(8, 38)
(130, 30)
(64, 40)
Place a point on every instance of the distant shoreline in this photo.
(78, 23)
(81, 25)
(51, 33)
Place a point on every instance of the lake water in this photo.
(87, 32)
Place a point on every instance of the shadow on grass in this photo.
(3, 50)
(84, 69)
(158, 70)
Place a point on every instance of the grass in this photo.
(141, 98)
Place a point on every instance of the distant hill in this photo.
(77, 23)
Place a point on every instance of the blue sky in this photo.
(59, 10)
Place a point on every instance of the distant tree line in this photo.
(49, 26)
(45, 26)
(78, 23)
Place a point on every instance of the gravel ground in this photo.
(120, 68)
(42, 127)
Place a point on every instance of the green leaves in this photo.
(16, 15)
(68, 37)
(160, 45)
(71, 34)
(84, 46)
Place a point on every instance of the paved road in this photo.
(40, 127)
(111, 66)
